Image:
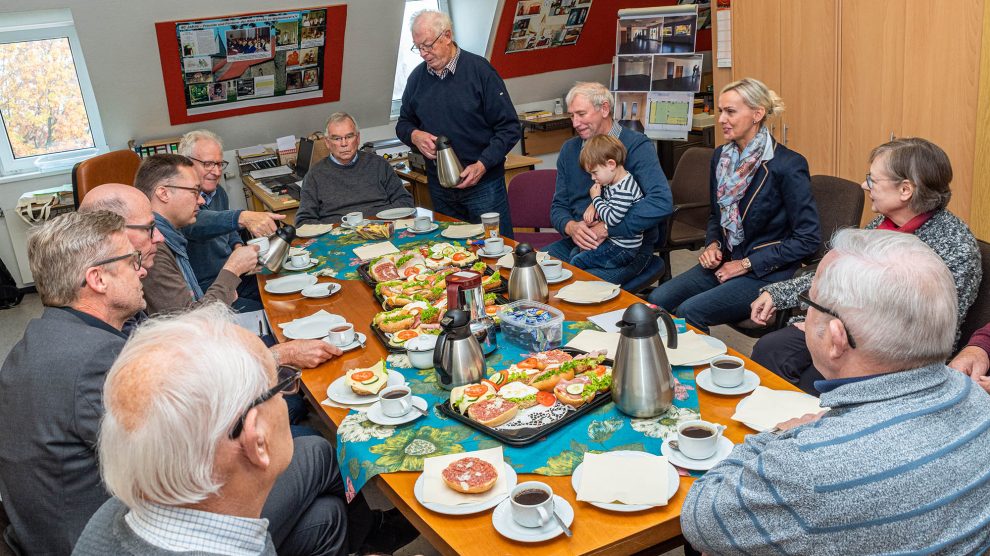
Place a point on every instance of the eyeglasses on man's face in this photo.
(871, 181)
(134, 257)
(197, 190)
(209, 165)
(286, 383)
(150, 228)
(806, 302)
(342, 138)
(428, 46)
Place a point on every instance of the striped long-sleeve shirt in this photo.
(898, 465)
(613, 204)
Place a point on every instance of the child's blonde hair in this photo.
(599, 150)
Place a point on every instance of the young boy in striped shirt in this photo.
(613, 193)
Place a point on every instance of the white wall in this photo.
(118, 41)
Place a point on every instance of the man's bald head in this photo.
(135, 207)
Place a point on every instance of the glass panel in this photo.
(40, 100)
(408, 60)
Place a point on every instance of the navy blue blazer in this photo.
(779, 216)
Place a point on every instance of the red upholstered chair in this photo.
(530, 195)
(112, 167)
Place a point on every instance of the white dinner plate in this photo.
(673, 482)
(507, 527)
(359, 339)
(396, 213)
(289, 266)
(319, 291)
(313, 230)
(432, 228)
(465, 509)
(376, 415)
(340, 392)
(505, 251)
(724, 449)
(565, 275)
(290, 284)
(750, 381)
(312, 327)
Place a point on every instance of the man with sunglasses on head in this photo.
(88, 275)
(348, 180)
(459, 95)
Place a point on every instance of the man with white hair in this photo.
(348, 180)
(894, 464)
(459, 95)
(590, 106)
(89, 278)
(193, 443)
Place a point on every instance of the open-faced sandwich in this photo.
(493, 411)
(470, 475)
(369, 381)
(523, 395)
(575, 392)
(463, 397)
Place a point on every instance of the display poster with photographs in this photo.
(547, 23)
(244, 60)
(656, 71)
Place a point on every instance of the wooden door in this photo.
(756, 44)
(809, 80)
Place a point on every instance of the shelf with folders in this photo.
(155, 146)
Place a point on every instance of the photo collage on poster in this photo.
(238, 59)
(547, 23)
(656, 71)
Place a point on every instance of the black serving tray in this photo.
(527, 436)
(380, 334)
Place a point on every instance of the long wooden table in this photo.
(596, 531)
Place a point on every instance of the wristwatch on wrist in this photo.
(746, 264)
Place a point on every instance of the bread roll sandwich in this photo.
(470, 475)
(493, 411)
(369, 381)
(522, 394)
(576, 392)
(463, 397)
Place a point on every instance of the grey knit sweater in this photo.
(896, 466)
(948, 236)
(330, 190)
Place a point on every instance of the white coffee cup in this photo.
(695, 444)
(353, 218)
(532, 515)
(262, 243)
(494, 245)
(552, 268)
(400, 404)
(422, 223)
(300, 260)
(727, 371)
(341, 334)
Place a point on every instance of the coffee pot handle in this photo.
(668, 322)
(442, 373)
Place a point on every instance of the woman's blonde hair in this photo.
(757, 95)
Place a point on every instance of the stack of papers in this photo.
(588, 292)
(764, 409)
(608, 478)
(436, 491)
(375, 250)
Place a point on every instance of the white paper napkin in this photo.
(437, 492)
(374, 250)
(691, 347)
(317, 316)
(606, 321)
(403, 223)
(297, 251)
(509, 259)
(608, 478)
(587, 292)
(463, 231)
(591, 340)
(766, 408)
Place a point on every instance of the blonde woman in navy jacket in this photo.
(763, 218)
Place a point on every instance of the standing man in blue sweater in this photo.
(590, 105)
(459, 95)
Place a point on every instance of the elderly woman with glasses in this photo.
(908, 185)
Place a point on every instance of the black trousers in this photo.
(785, 353)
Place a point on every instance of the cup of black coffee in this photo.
(698, 439)
(727, 371)
(396, 401)
(532, 504)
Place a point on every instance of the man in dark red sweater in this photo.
(974, 359)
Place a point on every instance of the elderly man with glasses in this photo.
(347, 180)
(893, 464)
(459, 95)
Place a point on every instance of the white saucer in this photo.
(340, 392)
(507, 527)
(673, 482)
(466, 509)
(750, 381)
(565, 275)
(505, 251)
(673, 456)
(289, 266)
(432, 228)
(290, 284)
(396, 213)
(359, 339)
(375, 414)
(319, 291)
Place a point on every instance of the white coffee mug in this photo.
(422, 223)
(552, 268)
(262, 243)
(532, 515)
(494, 245)
(399, 404)
(300, 260)
(700, 440)
(727, 371)
(353, 218)
(341, 334)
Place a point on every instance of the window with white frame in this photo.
(408, 58)
(47, 105)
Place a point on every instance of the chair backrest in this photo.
(979, 313)
(690, 184)
(840, 205)
(530, 196)
(112, 167)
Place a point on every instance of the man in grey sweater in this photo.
(348, 180)
(895, 464)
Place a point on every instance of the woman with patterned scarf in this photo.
(763, 218)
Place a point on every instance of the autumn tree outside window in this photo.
(47, 104)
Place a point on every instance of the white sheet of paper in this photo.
(286, 143)
(691, 347)
(437, 492)
(373, 250)
(591, 340)
(767, 408)
(321, 314)
(609, 478)
(606, 321)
